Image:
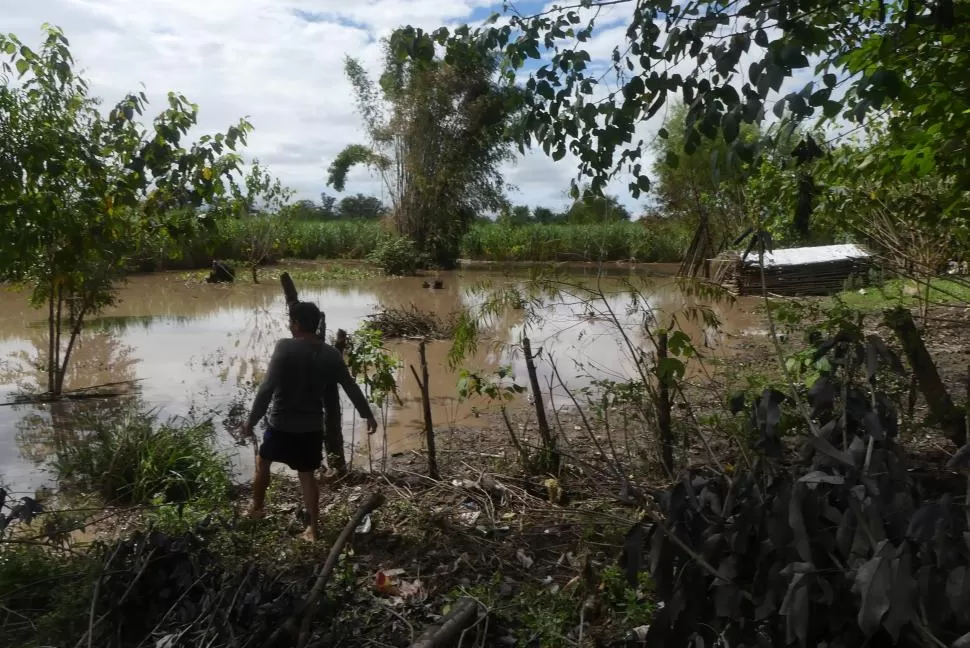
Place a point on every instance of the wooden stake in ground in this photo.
(426, 406)
(551, 460)
(307, 607)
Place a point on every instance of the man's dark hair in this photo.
(307, 315)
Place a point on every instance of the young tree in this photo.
(705, 188)
(82, 193)
(437, 132)
(261, 206)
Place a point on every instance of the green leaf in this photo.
(22, 66)
(775, 75)
(873, 582)
(832, 109)
(779, 107)
(670, 369)
(729, 126)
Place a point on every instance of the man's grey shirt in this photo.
(299, 373)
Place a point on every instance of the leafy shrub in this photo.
(396, 255)
(130, 458)
(842, 547)
(44, 595)
(151, 589)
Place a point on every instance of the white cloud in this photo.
(280, 63)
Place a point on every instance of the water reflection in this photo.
(200, 348)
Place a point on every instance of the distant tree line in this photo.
(356, 207)
(597, 209)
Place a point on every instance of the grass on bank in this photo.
(905, 292)
(625, 241)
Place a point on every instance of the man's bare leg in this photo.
(311, 498)
(260, 484)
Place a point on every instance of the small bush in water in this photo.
(396, 255)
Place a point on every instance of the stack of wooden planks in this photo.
(820, 270)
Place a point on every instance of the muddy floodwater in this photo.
(198, 349)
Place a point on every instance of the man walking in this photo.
(303, 368)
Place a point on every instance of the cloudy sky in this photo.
(279, 63)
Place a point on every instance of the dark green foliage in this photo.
(85, 193)
(863, 62)
(596, 209)
(149, 589)
(396, 255)
(45, 595)
(842, 547)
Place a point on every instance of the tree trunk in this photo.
(950, 417)
(58, 320)
(426, 407)
(663, 408)
(51, 360)
(75, 333)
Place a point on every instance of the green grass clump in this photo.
(130, 458)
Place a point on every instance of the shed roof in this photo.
(806, 255)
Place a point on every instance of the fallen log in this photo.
(464, 613)
(942, 408)
(304, 611)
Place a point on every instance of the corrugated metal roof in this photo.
(805, 255)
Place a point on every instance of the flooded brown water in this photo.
(200, 348)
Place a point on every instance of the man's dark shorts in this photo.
(303, 452)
